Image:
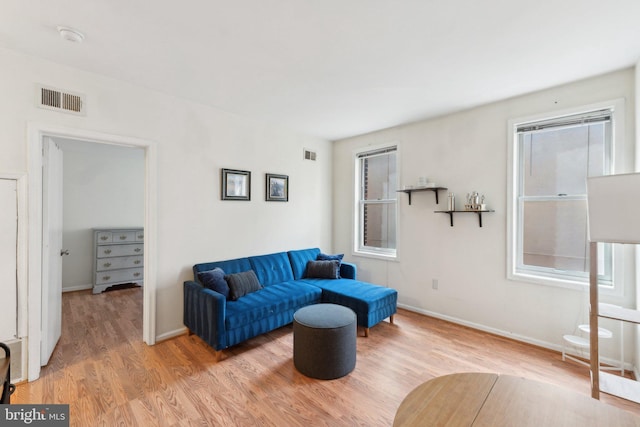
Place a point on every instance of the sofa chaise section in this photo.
(371, 303)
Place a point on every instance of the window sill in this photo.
(560, 283)
(375, 255)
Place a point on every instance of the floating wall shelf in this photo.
(475, 212)
(412, 190)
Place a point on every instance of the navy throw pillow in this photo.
(241, 284)
(214, 280)
(326, 257)
(323, 269)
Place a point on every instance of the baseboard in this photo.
(171, 334)
(77, 288)
(511, 335)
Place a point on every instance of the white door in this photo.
(51, 248)
(8, 259)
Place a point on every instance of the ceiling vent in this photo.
(309, 155)
(67, 102)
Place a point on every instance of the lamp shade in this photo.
(613, 204)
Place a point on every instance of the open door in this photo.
(51, 327)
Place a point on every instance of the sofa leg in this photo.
(391, 319)
(366, 332)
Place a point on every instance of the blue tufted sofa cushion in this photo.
(272, 268)
(299, 261)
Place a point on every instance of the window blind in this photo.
(385, 150)
(600, 116)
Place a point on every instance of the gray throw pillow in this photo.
(241, 284)
(323, 269)
(325, 257)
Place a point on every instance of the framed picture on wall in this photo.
(277, 188)
(236, 184)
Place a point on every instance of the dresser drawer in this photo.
(129, 275)
(105, 264)
(108, 251)
(124, 236)
(104, 237)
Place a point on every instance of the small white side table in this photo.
(583, 343)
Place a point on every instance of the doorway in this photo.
(37, 274)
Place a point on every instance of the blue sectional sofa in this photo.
(286, 287)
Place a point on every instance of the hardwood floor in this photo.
(109, 377)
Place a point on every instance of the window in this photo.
(552, 159)
(376, 180)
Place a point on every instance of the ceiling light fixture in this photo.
(71, 34)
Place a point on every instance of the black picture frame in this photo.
(236, 184)
(276, 188)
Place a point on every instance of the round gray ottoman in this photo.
(324, 341)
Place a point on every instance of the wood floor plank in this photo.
(110, 377)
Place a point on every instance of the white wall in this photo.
(193, 143)
(103, 187)
(467, 151)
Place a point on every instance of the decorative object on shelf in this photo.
(451, 202)
(423, 182)
(613, 211)
(236, 184)
(475, 202)
(277, 188)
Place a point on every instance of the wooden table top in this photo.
(491, 400)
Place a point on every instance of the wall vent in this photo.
(309, 155)
(65, 101)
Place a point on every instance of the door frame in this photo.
(35, 134)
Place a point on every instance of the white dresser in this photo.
(118, 257)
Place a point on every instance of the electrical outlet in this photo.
(434, 284)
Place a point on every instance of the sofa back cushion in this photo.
(229, 267)
(299, 261)
(272, 268)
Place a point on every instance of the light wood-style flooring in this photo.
(109, 377)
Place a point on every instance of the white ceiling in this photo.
(333, 68)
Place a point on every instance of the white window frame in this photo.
(615, 287)
(358, 248)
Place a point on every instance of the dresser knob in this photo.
(136, 274)
(106, 277)
(136, 262)
(107, 264)
(137, 249)
(107, 251)
(103, 237)
(140, 236)
(123, 237)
